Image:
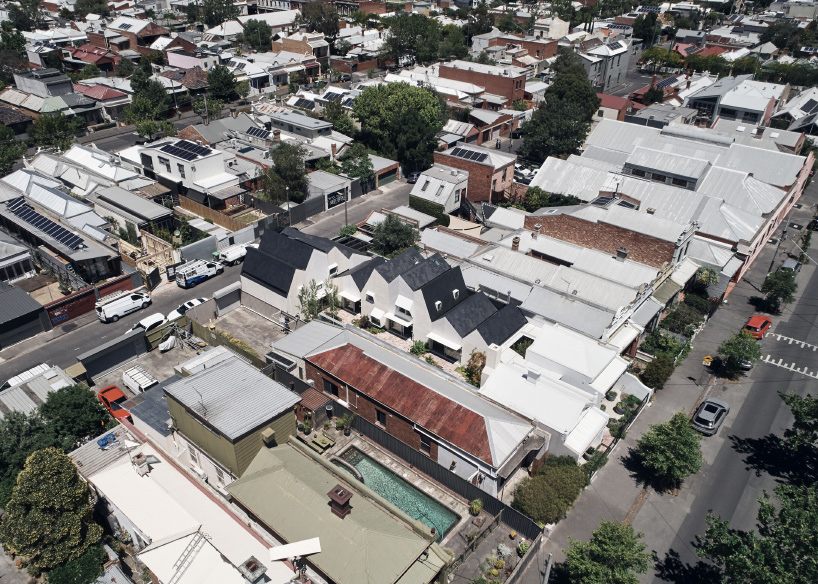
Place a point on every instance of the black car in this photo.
(413, 177)
(710, 415)
(346, 77)
(813, 225)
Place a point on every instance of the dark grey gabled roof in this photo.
(268, 270)
(425, 271)
(502, 324)
(15, 302)
(360, 273)
(399, 264)
(288, 250)
(470, 314)
(441, 289)
(319, 243)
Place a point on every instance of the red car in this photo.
(758, 326)
(113, 398)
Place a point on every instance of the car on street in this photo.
(346, 77)
(183, 308)
(793, 266)
(150, 322)
(813, 225)
(758, 326)
(112, 398)
(710, 415)
(413, 177)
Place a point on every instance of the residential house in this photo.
(333, 188)
(126, 33)
(44, 83)
(551, 28)
(308, 43)
(612, 107)
(761, 137)
(799, 114)
(490, 125)
(659, 115)
(739, 98)
(75, 59)
(606, 64)
(491, 172)
(15, 119)
(442, 185)
(299, 124)
(273, 274)
(129, 210)
(22, 317)
(16, 261)
(507, 81)
(112, 101)
(226, 413)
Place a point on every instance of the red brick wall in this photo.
(480, 178)
(604, 237)
(83, 301)
(512, 88)
(97, 39)
(372, 7)
(536, 49)
(396, 425)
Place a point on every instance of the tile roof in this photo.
(441, 289)
(98, 92)
(10, 116)
(612, 101)
(471, 313)
(499, 327)
(313, 399)
(432, 411)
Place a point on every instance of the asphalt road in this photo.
(58, 347)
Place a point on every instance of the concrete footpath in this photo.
(614, 493)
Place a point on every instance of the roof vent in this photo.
(651, 210)
(454, 172)
(339, 501)
(140, 462)
(456, 293)
(622, 253)
(438, 305)
(537, 229)
(252, 570)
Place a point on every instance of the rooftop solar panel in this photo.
(665, 82)
(52, 229)
(615, 45)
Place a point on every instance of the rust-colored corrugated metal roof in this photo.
(312, 399)
(437, 414)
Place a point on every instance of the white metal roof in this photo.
(557, 344)
(590, 425)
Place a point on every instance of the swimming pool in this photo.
(400, 493)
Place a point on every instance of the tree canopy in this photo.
(401, 122)
(740, 347)
(392, 236)
(213, 12)
(671, 451)
(49, 516)
(560, 128)
(258, 35)
(56, 130)
(804, 431)
(341, 122)
(11, 150)
(614, 555)
(288, 170)
(357, 164)
(321, 17)
(74, 414)
(414, 36)
(27, 15)
(453, 43)
(221, 83)
(779, 287)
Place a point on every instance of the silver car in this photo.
(710, 415)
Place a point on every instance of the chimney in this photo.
(233, 111)
(622, 253)
(140, 461)
(252, 570)
(334, 150)
(492, 356)
(688, 83)
(652, 83)
(339, 501)
(536, 231)
(268, 437)
(515, 243)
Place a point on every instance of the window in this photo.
(165, 162)
(656, 177)
(679, 182)
(194, 456)
(181, 168)
(457, 196)
(494, 185)
(426, 184)
(331, 388)
(505, 170)
(637, 172)
(599, 113)
(425, 444)
(403, 311)
(333, 269)
(380, 418)
(220, 475)
(370, 297)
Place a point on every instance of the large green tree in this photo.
(11, 150)
(414, 36)
(560, 127)
(221, 82)
(213, 12)
(671, 451)
(615, 554)
(27, 15)
(740, 347)
(20, 435)
(400, 121)
(480, 20)
(779, 287)
(784, 549)
(56, 130)
(341, 122)
(357, 164)
(258, 35)
(321, 17)
(392, 236)
(49, 516)
(83, 8)
(804, 431)
(75, 414)
(454, 43)
(287, 176)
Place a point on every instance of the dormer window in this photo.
(438, 305)
(456, 293)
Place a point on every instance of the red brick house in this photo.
(537, 48)
(612, 107)
(507, 81)
(491, 172)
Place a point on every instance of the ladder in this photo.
(187, 557)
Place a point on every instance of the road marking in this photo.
(791, 367)
(790, 341)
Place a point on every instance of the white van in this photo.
(233, 255)
(111, 308)
(196, 271)
(138, 379)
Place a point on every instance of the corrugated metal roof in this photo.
(449, 244)
(775, 168)
(233, 396)
(676, 165)
(15, 302)
(306, 339)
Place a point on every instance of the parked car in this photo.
(183, 308)
(813, 225)
(112, 398)
(233, 255)
(758, 326)
(710, 416)
(346, 77)
(413, 177)
(516, 134)
(150, 322)
(792, 265)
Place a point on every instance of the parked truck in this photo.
(233, 255)
(191, 273)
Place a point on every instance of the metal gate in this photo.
(387, 177)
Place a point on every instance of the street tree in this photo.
(779, 287)
(741, 347)
(213, 12)
(56, 130)
(75, 414)
(508, 23)
(221, 82)
(454, 43)
(783, 550)
(646, 27)
(341, 122)
(49, 517)
(615, 554)
(287, 170)
(210, 107)
(412, 36)
(321, 17)
(259, 35)
(393, 236)
(670, 451)
(11, 150)
(20, 435)
(243, 90)
(400, 122)
(357, 164)
(27, 15)
(804, 431)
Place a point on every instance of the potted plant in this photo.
(589, 454)
(326, 425)
(523, 548)
(611, 395)
(348, 419)
(619, 408)
(307, 426)
(475, 507)
(513, 535)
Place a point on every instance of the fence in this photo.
(208, 213)
(511, 517)
(83, 301)
(620, 432)
(522, 566)
(307, 209)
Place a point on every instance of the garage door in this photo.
(388, 177)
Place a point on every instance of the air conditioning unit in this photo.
(199, 471)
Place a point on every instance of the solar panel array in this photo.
(649, 9)
(330, 95)
(810, 106)
(627, 204)
(809, 49)
(185, 150)
(691, 49)
(258, 133)
(615, 45)
(601, 201)
(619, 26)
(125, 26)
(23, 211)
(305, 103)
(348, 102)
(665, 82)
(469, 154)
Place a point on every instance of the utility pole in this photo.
(289, 210)
(778, 247)
(547, 569)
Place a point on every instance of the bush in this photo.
(658, 371)
(659, 343)
(523, 548)
(548, 495)
(419, 348)
(698, 302)
(84, 569)
(522, 345)
(433, 209)
(683, 319)
(476, 506)
(347, 230)
(364, 322)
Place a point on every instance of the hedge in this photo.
(432, 209)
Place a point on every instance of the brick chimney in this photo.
(515, 243)
(339, 501)
(233, 112)
(277, 135)
(653, 82)
(334, 150)
(537, 229)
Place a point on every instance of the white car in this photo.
(150, 322)
(183, 308)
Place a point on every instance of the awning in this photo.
(684, 271)
(590, 425)
(228, 192)
(610, 375)
(196, 196)
(732, 266)
(398, 319)
(666, 291)
(645, 313)
(377, 314)
(625, 336)
(404, 302)
(444, 341)
(351, 296)
(297, 549)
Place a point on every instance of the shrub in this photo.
(86, 568)
(548, 495)
(476, 506)
(658, 371)
(431, 361)
(683, 319)
(503, 550)
(698, 302)
(364, 322)
(347, 230)
(434, 209)
(521, 345)
(419, 348)
(659, 342)
(523, 548)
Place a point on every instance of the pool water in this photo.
(400, 493)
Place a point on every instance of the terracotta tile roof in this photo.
(195, 78)
(98, 92)
(437, 414)
(612, 101)
(312, 399)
